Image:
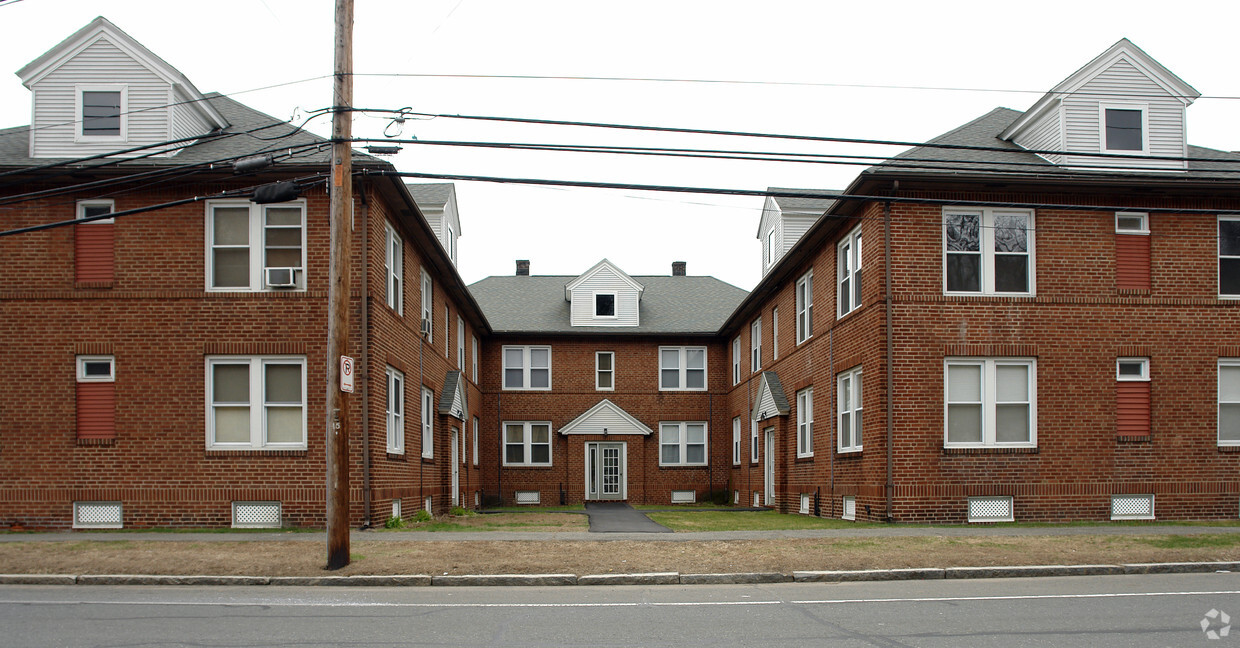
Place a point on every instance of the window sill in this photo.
(848, 453)
(396, 456)
(221, 453)
(91, 285)
(1229, 448)
(102, 441)
(683, 466)
(529, 466)
(992, 450)
(805, 458)
(1144, 438)
(1133, 292)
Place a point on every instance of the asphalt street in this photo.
(1100, 612)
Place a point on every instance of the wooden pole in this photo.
(339, 290)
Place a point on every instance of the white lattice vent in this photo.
(97, 515)
(850, 507)
(757, 499)
(736, 497)
(529, 497)
(990, 509)
(477, 499)
(684, 497)
(256, 515)
(1132, 507)
(805, 503)
(396, 508)
(428, 505)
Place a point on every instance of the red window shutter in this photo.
(1132, 408)
(92, 253)
(96, 410)
(1132, 262)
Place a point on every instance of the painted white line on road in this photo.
(1012, 597)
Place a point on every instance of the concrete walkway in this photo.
(619, 517)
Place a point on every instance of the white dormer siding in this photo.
(437, 202)
(784, 223)
(604, 279)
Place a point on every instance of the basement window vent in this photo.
(477, 499)
(396, 508)
(804, 503)
(736, 497)
(529, 497)
(428, 505)
(256, 515)
(684, 497)
(990, 509)
(97, 515)
(1132, 507)
(850, 507)
(757, 500)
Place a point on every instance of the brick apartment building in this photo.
(1043, 323)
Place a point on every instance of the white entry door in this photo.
(769, 472)
(456, 468)
(605, 471)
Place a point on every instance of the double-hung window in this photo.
(736, 441)
(428, 299)
(393, 263)
(474, 358)
(447, 331)
(805, 422)
(395, 411)
(1229, 256)
(255, 247)
(1124, 127)
(682, 443)
(736, 361)
(682, 368)
(848, 273)
(991, 402)
(848, 386)
(755, 345)
(988, 251)
(102, 113)
(527, 443)
(428, 423)
(753, 442)
(604, 370)
(775, 333)
(805, 307)
(475, 441)
(527, 367)
(256, 403)
(460, 343)
(1229, 402)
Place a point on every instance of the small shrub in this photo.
(459, 511)
(394, 522)
(422, 516)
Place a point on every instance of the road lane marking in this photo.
(1010, 597)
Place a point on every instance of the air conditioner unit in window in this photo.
(426, 326)
(281, 277)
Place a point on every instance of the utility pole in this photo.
(339, 291)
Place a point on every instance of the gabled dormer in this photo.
(785, 219)
(604, 296)
(438, 204)
(1122, 102)
(100, 91)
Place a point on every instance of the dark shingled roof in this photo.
(802, 204)
(451, 383)
(777, 393)
(431, 193)
(669, 305)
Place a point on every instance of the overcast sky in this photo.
(801, 63)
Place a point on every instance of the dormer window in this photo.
(1124, 128)
(101, 112)
(604, 304)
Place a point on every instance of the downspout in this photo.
(367, 503)
(499, 456)
(422, 437)
(834, 392)
(710, 465)
(890, 354)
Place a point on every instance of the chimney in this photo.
(678, 268)
(523, 267)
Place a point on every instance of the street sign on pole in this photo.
(346, 374)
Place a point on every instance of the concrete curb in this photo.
(735, 579)
(1022, 571)
(415, 580)
(657, 578)
(504, 579)
(866, 575)
(38, 579)
(143, 579)
(1180, 568)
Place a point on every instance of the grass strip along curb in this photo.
(656, 578)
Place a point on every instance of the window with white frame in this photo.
(848, 273)
(474, 358)
(755, 345)
(96, 369)
(736, 441)
(775, 333)
(256, 402)
(428, 423)
(1124, 127)
(102, 113)
(393, 262)
(1132, 223)
(805, 422)
(1132, 369)
(460, 343)
(93, 208)
(682, 443)
(805, 307)
(848, 387)
(736, 361)
(682, 368)
(255, 247)
(988, 251)
(527, 443)
(1229, 402)
(753, 442)
(527, 367)
(447, 331)
(770, 247)
(604, 370)
(1229, 257)
(428, 299)
(451, 238)
(605, 305)
(990, 402)
(475, 441)
(395, 411)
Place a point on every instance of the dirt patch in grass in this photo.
(301, 558)
(506, 522)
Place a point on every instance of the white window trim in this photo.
(989, 389)
(848, 267)
(78, 116)
(475, 455)
(684, 369)
(451, 238)
(447, 331)
(754, 449)
(1218, 424)
(805, 422)
(474, 357)
(393, 265)
(81, 368)
(460, 343)
(256, 403)
(527, 359)
(755, 346)
(599, 371)
(736, 441)
(615, 304)
(257, 246)
(1145, 370)
(395, 419)
(527, 442)
(82, 205)
(987, 251)
(428, 305)
(1144, 108)
(736, 361)
(1144, 230)
(682, 437)
(775, 333)
(849, 411)
(805, 308)
(428, 423)
(770, 247)
(1221, 256)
